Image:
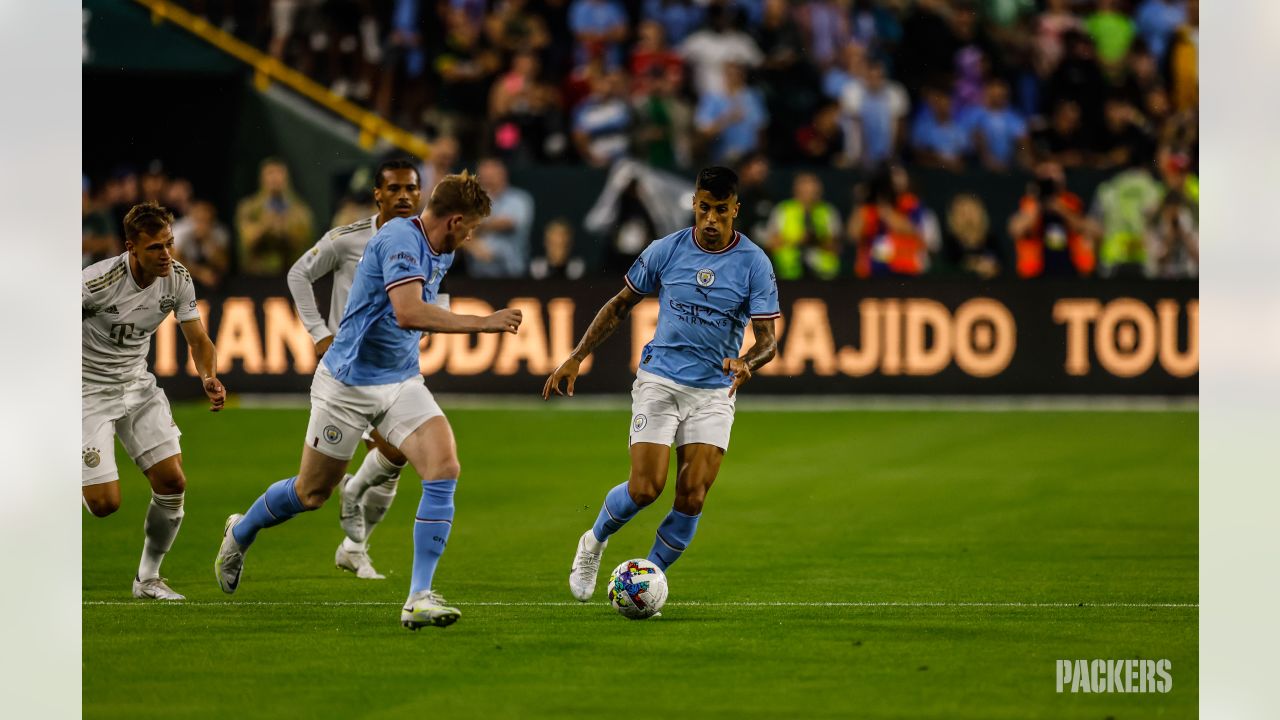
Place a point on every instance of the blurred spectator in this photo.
(203, 245)
(1124, 135)
(178, 197)
(1112, 32)
(709, 50)
(273, 224)
(153, 183)
(1141, 75)
(466, 69)
(1052, 237)
(678, 17)
(500, 245)
(787, 81)
(524, 112)
(999, 132)
(405, 62)
(559, 262)
(938, 138)
(599, 29)
(1064, 141)
(1079, 79)
(121, 193)
(664, 122)
(804, 233)
(880, 110)
(1125, 207)
(442, 161)
(1157, 20)
(514, 28)
(98, 237)
(602, 124)
(847, 76)
(969, 245)
(1173, 243)
(730, 121)
(1183, 52)
(889, 227)
(828, 140)
(754, 199)
(651, 58)
(826, 27)
(927, 53)
(1052, 27)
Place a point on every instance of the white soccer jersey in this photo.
(118, 318)
(337, 252)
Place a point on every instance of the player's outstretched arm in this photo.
(756, 357)
(206, 359)
(414, 314)
(313, 265)
(605, 322)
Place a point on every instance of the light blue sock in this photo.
(674, 535)
(618, 508)
(279, 503)
(431, 531)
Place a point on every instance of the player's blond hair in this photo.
(459, 194)
(147, 218)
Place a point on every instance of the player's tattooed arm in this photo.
(756, 357)
(605, 322)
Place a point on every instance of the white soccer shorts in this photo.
(668, 413)
(139, 413)
(341, 413)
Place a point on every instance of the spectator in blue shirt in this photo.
(938, 138)
(1157, 20)
(880, 107)
(602, 122)
(999, 132)
(731, 121)
(500, 246)
(600, 28)
(677, 17)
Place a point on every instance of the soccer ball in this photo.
(637, 589)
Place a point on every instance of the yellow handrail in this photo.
(267, 69)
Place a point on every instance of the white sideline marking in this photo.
(693, 603)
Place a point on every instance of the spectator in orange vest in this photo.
(1052, 236)
(889, 227)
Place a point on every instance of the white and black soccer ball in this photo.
(637, 589)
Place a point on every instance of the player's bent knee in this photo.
(393, 456)
(102, 506)
(691, 503)
(446, 469)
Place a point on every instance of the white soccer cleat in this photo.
(154, 589)
(586, 565)
(425, 608)
(230, 560)
(351, 512)
(356, 561)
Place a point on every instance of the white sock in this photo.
(352, 546)
(164, 517)
(374, 471)
(377, 501)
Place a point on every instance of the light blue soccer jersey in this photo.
(370, 348)
(705, 301)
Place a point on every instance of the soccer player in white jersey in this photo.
(371, 375)
(123, 300)
(366, 496)
(710, 280)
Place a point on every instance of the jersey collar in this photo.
(417, 221)
(736, 237)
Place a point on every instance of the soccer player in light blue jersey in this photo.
(710, 280)
(370, 376)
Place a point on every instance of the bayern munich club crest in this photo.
(706, 276)
(332, 434)
(91, 457)
(638, 423)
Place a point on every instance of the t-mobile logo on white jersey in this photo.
(1114, 676)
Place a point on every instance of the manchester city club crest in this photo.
(91, 457)
(638, 423)
(706, 276)
(332, 434)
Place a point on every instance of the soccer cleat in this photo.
(357, 562)
(425, 608)
(586, 564)
(154, 589)
(351, 512)
(230, 560)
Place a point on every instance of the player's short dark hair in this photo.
(147, 218)
(720, 181)
(400, 163)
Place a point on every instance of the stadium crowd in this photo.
(1036, 87)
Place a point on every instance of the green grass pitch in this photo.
(848, 564)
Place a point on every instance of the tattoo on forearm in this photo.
(605, 322)
(765, 347)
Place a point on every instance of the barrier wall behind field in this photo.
(934, 338)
